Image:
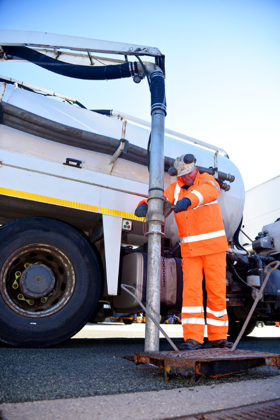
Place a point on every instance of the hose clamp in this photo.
(156, 217)
(157, 106)
(155, 231)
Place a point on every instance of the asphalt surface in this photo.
(87, 367)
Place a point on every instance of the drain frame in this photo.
(213, 363)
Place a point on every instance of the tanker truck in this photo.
(71, 178)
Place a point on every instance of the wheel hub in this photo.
(37, 281)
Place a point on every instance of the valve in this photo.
(137, 78)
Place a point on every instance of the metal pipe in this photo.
(155, 220)
(237, 251)
(125, 287)
(268, 270)
(39, 89)
(155, 216)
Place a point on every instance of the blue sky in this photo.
(222, 67)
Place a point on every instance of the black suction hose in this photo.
(157, 88)
(236, 237)
(148, 152)
(65, 69)
(158, 102)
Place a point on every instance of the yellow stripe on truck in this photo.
(119, 213)
(67, 203)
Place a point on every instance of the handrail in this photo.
(121, 116)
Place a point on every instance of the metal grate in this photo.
(207, 362)
(263, 411)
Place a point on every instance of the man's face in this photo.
(188, 179)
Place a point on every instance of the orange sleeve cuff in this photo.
(143, 201)
(194, 200)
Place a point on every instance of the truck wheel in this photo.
(49, 283)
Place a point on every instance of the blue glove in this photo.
(141, 210)
(182, 205)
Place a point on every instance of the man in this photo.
(203, 249)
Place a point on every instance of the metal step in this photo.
(212, 363)
(261, 411)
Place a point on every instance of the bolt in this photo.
(30, 302)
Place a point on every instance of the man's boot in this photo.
(190, 344)
(222, 344)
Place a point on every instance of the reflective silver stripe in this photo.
(218, 314)
(211, 202)
(199, 196)
(192, 309)
(210, 182)
(216, 322)
(202, 237)
(193, 321)
(206, 204)
(176, 193)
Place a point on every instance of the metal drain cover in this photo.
(260, 411)
(207, 362)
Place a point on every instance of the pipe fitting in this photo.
(156, 217)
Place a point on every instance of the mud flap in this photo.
(112, 227)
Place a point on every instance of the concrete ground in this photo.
(119, 330)
(148, 405)
(151, 405)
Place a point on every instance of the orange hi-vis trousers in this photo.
(214, 267)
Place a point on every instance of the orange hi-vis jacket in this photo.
(201, 227)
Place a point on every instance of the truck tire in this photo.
(49, 283)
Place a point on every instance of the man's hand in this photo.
(141, 210)
(182, 205)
